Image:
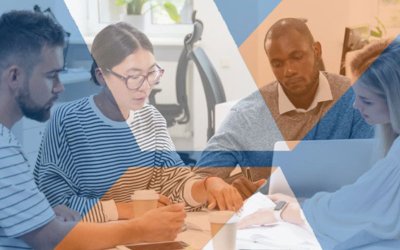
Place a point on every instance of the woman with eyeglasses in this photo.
(98, 150)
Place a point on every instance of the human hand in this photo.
(64, 213)
(246, 187)
(162, 224)
(292, 212)
(282, 197)
(125, 210)
(163, 201)
(263, 216)
(223, 195)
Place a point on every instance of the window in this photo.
(158, 23)
(160, 16)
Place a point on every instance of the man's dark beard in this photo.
(29, 108)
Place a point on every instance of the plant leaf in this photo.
(380, 24)
(134, 7)
(172, 11)
(120, 2)
(377, 32)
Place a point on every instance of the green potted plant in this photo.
(379, 30)
(137, 7)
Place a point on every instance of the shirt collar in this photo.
(323, 94)
(8, 136)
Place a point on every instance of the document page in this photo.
(279, 235)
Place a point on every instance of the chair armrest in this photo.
(152, 96)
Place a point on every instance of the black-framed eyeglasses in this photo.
(136, 82)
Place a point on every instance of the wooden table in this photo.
(197, 234)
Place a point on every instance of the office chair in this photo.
(354, 39)
(213, 89)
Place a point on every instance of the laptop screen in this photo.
(320, 165)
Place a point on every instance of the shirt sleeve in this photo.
(362, 213)
(22, 207)
(170, 173)
(174, 177)
(246, 138)
(56, 176)
(224, 151)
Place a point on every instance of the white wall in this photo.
(224, 54)
(61, 11)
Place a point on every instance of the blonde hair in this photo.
(377, 67)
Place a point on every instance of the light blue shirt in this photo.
(364, 214)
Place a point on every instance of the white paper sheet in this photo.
(279, 236)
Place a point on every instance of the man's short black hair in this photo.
(23, 34)
(282, 26)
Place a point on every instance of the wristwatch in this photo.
(279, 207)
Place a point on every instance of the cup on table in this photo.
(143, 201)
(223, 229)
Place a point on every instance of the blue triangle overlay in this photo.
(243, 16)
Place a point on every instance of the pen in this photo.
(248, 174)
(163, 203)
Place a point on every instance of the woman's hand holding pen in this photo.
(162, 224)
(125, 209)
(163, 201)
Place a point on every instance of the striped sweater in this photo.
(85, 158)
(22, 207)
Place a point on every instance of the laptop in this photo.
(319, 165)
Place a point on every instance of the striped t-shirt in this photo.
(22, 207)
(86, 158)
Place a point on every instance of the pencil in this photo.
(248, 174)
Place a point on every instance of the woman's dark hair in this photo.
(114, 43)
